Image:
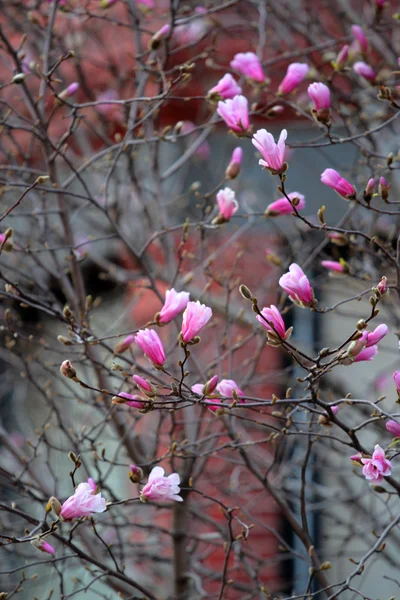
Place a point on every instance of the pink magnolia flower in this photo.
(332, 179)
(369, 189)
(393, 427)
(284, 207)
(382, 286)
(226, 387)
(273, 321)
(160, 35)
(227, 203)
(143, 384)
(226, 88)
(360, 37)
(297, 286)
(105, 106)
(367, 354)
(208, 388)
(175, 303)
(374, 337)
(70, 90)
(377, 467)
(235, 113)
(342, 57)
(384, 188)
(150, 343)
(135, 473)
(233, 168)
(132, 400)
(248, 64)
(43, 546)
(192, 31)
(124, 344)
(320, 94)
(396, 377)
(195, 317)
(273, 154)
(365, 70)
(159, 487)
(83, 502)
(295, 74)
(333, 265)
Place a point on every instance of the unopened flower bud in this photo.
(124, 344)
(43, 546)
(67, 370)
(144, 385)
(341, 58)
(245, 292)
(69, 91)
(338, 238)
(18, 78)
(384, 189)
(382, 286)
(233, 168)
(369, 190)
(161, 34)
(135, 473)
(210, 385)
(54, 505)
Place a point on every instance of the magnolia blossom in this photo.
(175, 303)
(297, 286)
(143, 384)
(295, 74)
(227, 203)
(365, 70)
(235, 113)
(382, 286)
(320, 94)
(226, 87)
(233, 168)
(342, 57)
(273, 153)
(393, 427)
(227, 386)
(374, 337)
(150, 343)
(132, 400)
(124, 344)
(377, 467)
(284, 207)
(333, 265)
(360, 37)
(367, 354)
(195, 317)
(159, 487)
(208, 388)
(70, 90)
(193, 30)
(396, 377)
(369, 189)
(43, 546)
(332, 179)
(273, 322)
(384, 188)
(83, 502)
(248, 64)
